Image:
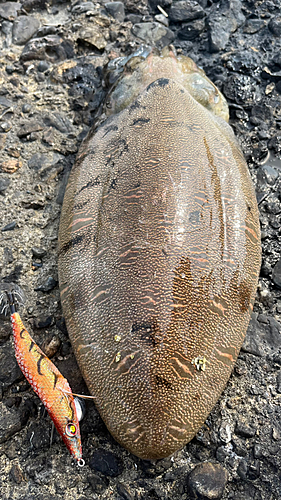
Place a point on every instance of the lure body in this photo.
(49, 384)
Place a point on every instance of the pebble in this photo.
(38, 161)
(241, 89)
(245, 429)
(278, 383)
(43, 66)
(266, 175)
(185, 10)
(93, 36)
(160, 18)
(43, 321)
(49, 285)
(98, 484)
(24, 28)
(16, 474)
(276, 274)
(38, 252)
(220, 28)
(9, 10)
(28, 128)
(154, 33)
(133, 18)
(5, 126)
(8, 255)
(51, 48)
(124, 492)
(9, 369)
(9, 227)
(116, 10)
(192, 30)
(106, 462)
(58, 121)
(274, 26)
(254, 25)
(83, 7)
(10, 422)
(26, 108)
(4, 184)
(11, 166)
(207, 481)
(51, 346)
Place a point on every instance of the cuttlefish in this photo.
(159, 254)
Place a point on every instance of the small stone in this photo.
(6, 103)
(275, 434)
(51, 346)
(2, 140)
(49, 285)
(278, 383)
(4, 184)
(98, 484)
(276, 274)
(83, 7)
(154, 33)
(51, 48)
(225, 433)
(43, 66)
(58, 121)
(10, 69)
(26, 108)
(274, 26)
(160, 18)
(134, 18)
(220, 28)
(116, 10)
(124, 492)
(16, 474)
(252, 342)
(94, 36)
(106, 462)
(245, 430)
(8, 255)
(254, 25)
(5, 127)
(10, 422)
(9, 369)
(185, 10)
(24, 28)
(9, 227)
(242, 90)
(43, 322)
(8, 10)
(29, 127)
(207, 481)
(267, 175)
(11, 166)
(192, 30)
(38, 161)
(36, 204)
(38, 253)
(242, 469)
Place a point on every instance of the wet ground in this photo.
(51, 86)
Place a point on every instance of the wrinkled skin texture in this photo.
(159, 256)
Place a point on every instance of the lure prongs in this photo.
(44, 377)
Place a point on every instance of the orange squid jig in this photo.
(48, 383)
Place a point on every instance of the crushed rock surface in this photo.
(51, 88)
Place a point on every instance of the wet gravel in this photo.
(51, 86)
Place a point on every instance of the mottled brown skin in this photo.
(158, 265)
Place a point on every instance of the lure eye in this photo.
(70, 430)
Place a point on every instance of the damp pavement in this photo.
(51, 88)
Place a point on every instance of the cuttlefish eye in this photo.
(71, 429)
